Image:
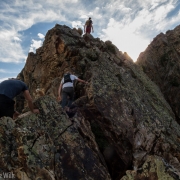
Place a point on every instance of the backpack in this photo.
(67, 78)
(89, 22)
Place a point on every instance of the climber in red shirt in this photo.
(88, 26)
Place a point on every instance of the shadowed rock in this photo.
(49, 146)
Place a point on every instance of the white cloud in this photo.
(3, 79)
(77, 24)
(6, 71)
(125, 39)
(6, 78)
(35, 44)
(41, 36)
(2, 71)
(129, 24)
(134, 31)
(83, 17)
(91, 13)
(28, 14)
(124, 9)
(10, 50)
(17, 39)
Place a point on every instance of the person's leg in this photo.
(6, 109)
(6, 106)
(88, 30)
(64, 98)
(71, 96)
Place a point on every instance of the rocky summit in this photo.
(120, 126)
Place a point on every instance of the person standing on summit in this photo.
(9, 89)
(88, 26)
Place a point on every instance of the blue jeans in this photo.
(67, 96)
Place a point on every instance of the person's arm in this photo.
(80, 80)
(92, 28)
(29, 101)
(84, 28)
(59, 92)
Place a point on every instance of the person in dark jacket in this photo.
(9, 89)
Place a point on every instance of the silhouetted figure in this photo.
(88, 26)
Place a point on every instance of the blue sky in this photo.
(130, 24)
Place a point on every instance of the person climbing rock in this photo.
(88, 26)
(9, 89)
(67, 88)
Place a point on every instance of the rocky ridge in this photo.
(161, 62)
(122, 127)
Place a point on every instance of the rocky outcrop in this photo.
(121, 127)
(161, 62)
(49, 146)
(153, 168)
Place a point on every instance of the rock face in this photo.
(49, 146)
(121, 127)
(161, 62)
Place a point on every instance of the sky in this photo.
(131, 25)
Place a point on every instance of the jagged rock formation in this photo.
(49, 146)
(122, 127)
(161, 62)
